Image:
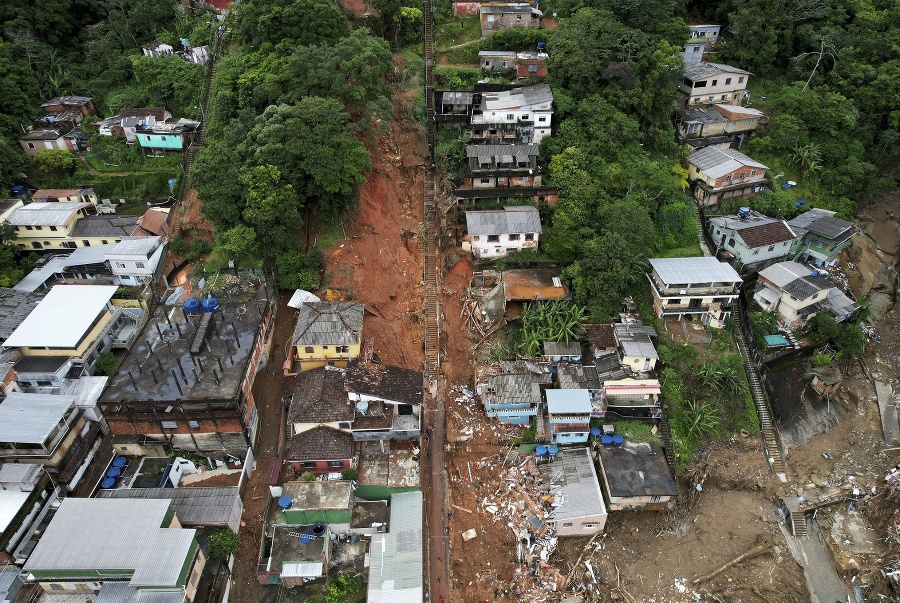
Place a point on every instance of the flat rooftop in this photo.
(290, 546)
(160, 366)
(318, 495)
(580, 495)
(63, 318)
(637, 469)
(31, 418)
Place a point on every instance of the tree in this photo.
(300, 271)
(311, 142)
(107, 363)
(272, 209)
(222, 543)
(289, 23)
(56, 163)
(239, 243)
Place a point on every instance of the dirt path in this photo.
(267, 392)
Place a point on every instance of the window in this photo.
(514, 237)
(696, 49)
(493, 238)
(815, 296)
(518, 17)
(343, 349)
(53, 228)
(749, 122)
(743, 174)
(30, 145)
(542, 119)
(29, 228)
(485, 180)
(771, 248)
(588, 526)
(105, 242)
(753, 172)
(38, 228)
(139, 265)
(44, 383)
(523, 178)
(69, 244)
(756, 252)
(510, 116)
(741, 80)
(710, 98)
(567, 525)
(731, 242)
(344, 425)
(163, 138)
(125, 448)
(335, 464)
(525, 117)
(86, 243)
(700, 84)
(504, 63)
(308, 465)
(532, 69)
(655, 499)
(674, 302)
(725, 97)
(120, 264)
(324, 347)
(697, 100)
(529, 236)
(476, 238)
(727, 81)
(308, 349)
(56, 587)
(730, 177)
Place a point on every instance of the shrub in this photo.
(107, 364)
(350, 474)
(222, 543)
(308, 476)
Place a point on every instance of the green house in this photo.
(821, 237)
(170, 135)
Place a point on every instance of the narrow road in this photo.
(267, 392)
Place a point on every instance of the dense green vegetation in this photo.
(283, 138)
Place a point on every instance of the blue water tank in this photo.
(542, 45)
(305, 537)
(210, 304)
(606, 440)
(541, 450)
(595, 431)
(744, 212)
(617, 440)
(285, 502)
(553, 450)
(192, 306)
(108, 483)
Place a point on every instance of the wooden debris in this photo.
(756, 552)
(461, 508)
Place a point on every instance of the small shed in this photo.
(826, 379)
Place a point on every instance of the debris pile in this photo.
(512, 493)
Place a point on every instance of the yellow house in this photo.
(72, 321)
(56, 226)
(327, 333)
(65, 195)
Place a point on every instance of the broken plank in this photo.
(462, 508)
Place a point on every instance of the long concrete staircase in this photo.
(432, 222)
(770, 442)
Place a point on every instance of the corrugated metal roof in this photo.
(457, 98)
(782, 273)
(634, 339)
(140, 246)
(19, 473)
(31, 418)
(705, 70)
(520, 219)
(716, 162)
(395, 567)
(329, 323)
(220, 506)
(11, 502)
(63, 317)
(829, 227)
(703, 115)
(301, 569)
(45, 214)
(105, 534)
(105, 226)
(86, 390)
(521, 152)
(573, 468)
(684, 271)
(808, 217)
(496, 53)
(300, 297)
(569, 402)
(561, 348)
(522, 98)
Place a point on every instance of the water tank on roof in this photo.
(192, 306)
(606, 440)
(210, 304)
(576, 358)
(553, 450)
(595, 431)
(285, 502)
(744, 212)
(542, 45)
(362, 406)
(18, 191)
(318, 529)
(617, 440)
(541, 450)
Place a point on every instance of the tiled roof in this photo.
(384, 382)
(329, 323)
(802, 288)
(601, 336)
(318, 397)
(637, 470)
(571, 427)
(321, 444)
(719, 161)
(15, 306)
(378, 416)
(764, 235)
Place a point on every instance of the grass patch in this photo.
(328, 233)
(691, 251)
(637, 431)
(457, 30)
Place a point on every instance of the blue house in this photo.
(569, 412)
(513, 398)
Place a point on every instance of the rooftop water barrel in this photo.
(541, 450)
(318, 529)
(542, 45)
(285, 502)
(108, 483)
(744, 212)
(606, 440)
(192, 306)
(120, 461)
(595, 431)
(576, 358)
(210, 304)
(553, 450)
(304, 538)
(617, 440)
(18, 191)
(362, 406)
